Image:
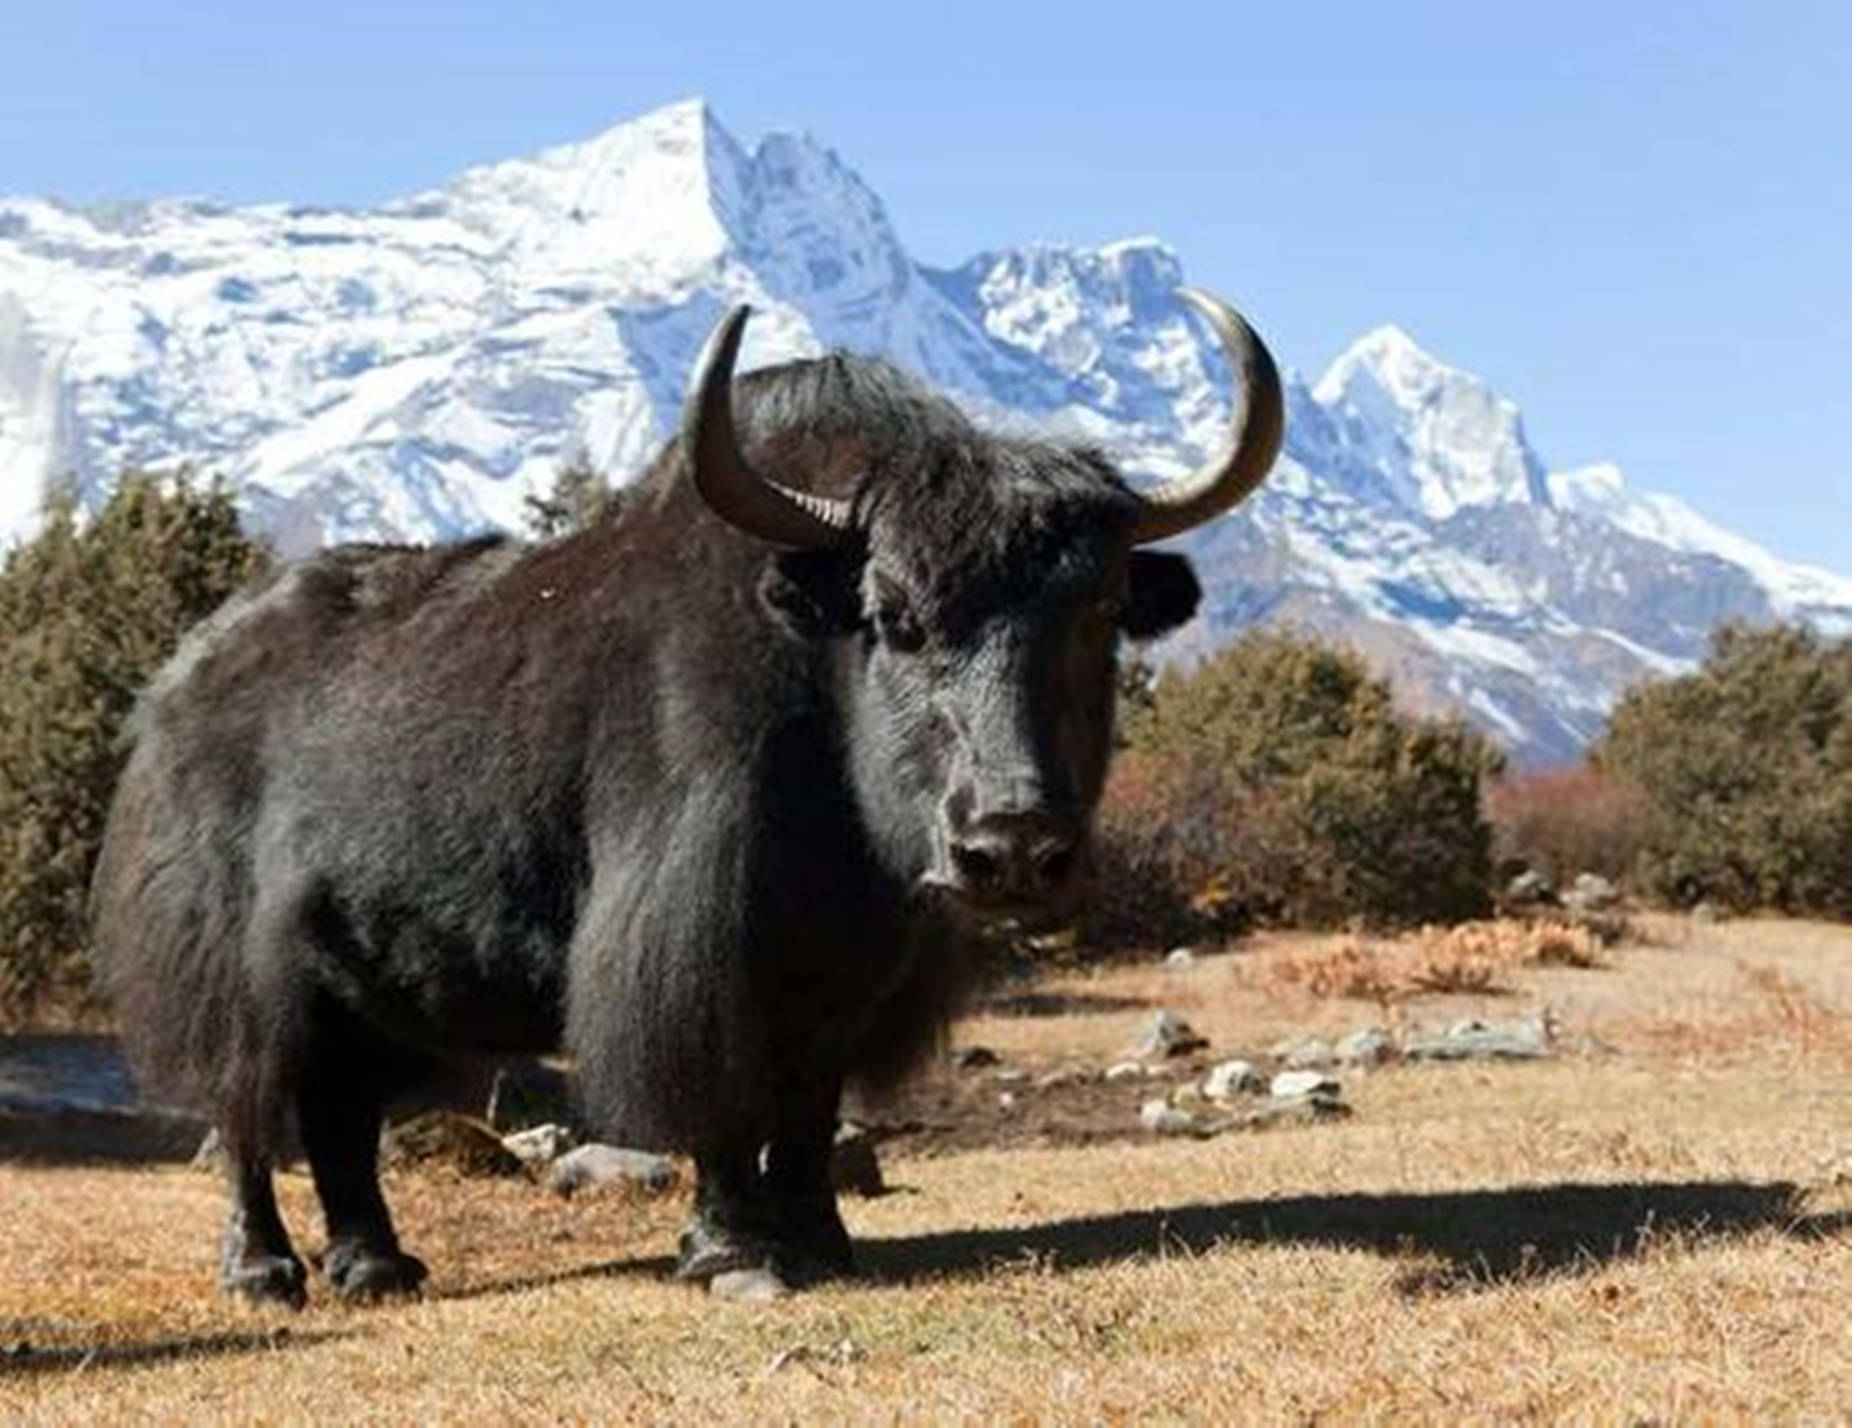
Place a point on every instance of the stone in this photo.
(854, 1167)
(1300, 1053)
(1228, 1079)
(1707, 911)
(538, 1146)
(465, 1144)
(1530, 888)
(1590, 892)
(1125, 1071)
(1168, 1034)
(751, 1286)
(1161, 1118)
(1302, 1083)
(1305, 1109)
(1180, 958)
(1526, 1039)
(974, 1058)
(1062, 1076)
(531, 1093)
(1366, 1046)
(596, 1164)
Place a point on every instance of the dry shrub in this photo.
(1567, 821)
(1473, 959)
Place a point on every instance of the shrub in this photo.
(87, 611)
(1744, 771)
(1278, 783)
(1567, 821)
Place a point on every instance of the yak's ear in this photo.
(1164, 593)
(813, 593)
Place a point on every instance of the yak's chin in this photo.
(991, 915)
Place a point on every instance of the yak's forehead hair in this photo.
(958, 509)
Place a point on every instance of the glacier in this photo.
(416, 370)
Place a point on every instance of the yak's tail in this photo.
(170, 906)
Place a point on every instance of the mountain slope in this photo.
(415, 371)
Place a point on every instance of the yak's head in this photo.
(974, 589)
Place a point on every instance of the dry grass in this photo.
(1657, 1229)
(1476, 958)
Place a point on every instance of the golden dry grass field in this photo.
(1654, 1226)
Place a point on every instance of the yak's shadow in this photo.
(22, 1356)
(1453, 1240)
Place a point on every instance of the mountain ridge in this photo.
(417, 369)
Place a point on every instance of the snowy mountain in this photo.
(415, 371)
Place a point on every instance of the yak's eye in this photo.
(895, 622)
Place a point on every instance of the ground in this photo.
(1653, 1226)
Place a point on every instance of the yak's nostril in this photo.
(980, 867)
(1054, 860)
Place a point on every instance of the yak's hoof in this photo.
(707, 1250)
(267, 1279)
(361, 1274)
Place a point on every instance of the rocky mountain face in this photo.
(415, 371)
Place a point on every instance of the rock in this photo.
(1707, 911)
(854, 1167)
(974, 1058)
(1590, 892)
(1366, 1046)
(752, 1286)
(1300, 1053)
(465, 1144)
(1161, 1118)
(599, 1165)
(1062, 1076)
(1168, 1034)
(1303, 1083)
(1530, 888)
(1125, 1071)
(1180, 958)
(1228, 1079)
(1526, 1039)
(1305, 1109)
(531, 1093)
(1011, 1076)
(538, 1146)
(1006, 1100)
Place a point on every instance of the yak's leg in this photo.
(255, 1257)
(812, 1242)
(731, 1228)
(340, 1114)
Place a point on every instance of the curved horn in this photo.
(732, 489)
(1260, 423)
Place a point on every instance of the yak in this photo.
(714, 795)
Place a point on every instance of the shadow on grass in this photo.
(1460, 1240)
(1045, 1004)
(22, 1356)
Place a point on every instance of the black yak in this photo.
(709, 794)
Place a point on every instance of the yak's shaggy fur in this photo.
(653, 792)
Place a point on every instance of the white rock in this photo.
(1303, 1083)
(539, 1145)
(1228, 1079)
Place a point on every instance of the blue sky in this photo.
(1634, 219)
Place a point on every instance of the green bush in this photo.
(1744, 770)
(1278, 783)
(88, 610)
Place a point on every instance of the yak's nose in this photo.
(1024, 857)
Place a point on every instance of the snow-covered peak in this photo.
(643, 198)
(1441, 437)
(1795, 591)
